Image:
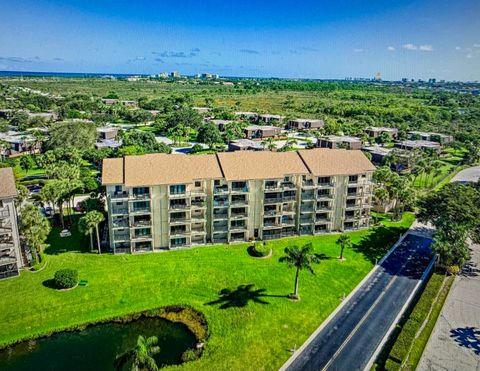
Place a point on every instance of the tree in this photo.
(81, 135)
(209, 134)
(145, 140)
(269, 143)
(344, 241)
(454, 210)
(22, 194)
(26, 163)
(96, 217)
(88, 223)
(185, 116)
(141, 356)
(299, 258)
(35, 227)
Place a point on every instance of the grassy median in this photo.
(250, 329)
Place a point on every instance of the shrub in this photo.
(65, 278)
(453, 270)
(259, 249)
(190, 355)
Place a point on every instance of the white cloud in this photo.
(426, 48)
(422, 48)
(358, 50)
(409, 46)
(391, 48)
(476, 45)
(458, 48)
(469, 55)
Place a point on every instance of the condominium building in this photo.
(160, 201)
(10, 257)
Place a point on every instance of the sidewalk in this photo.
(455, 341)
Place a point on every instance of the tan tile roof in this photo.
(7, 183)
(248, 165)
(112, 171)
(326, 162)
(159, 168)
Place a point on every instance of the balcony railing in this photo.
(198, 204)
(140, 196)
(142, 223)
(220, 228)
(119, 210)
(121, 237)
(142, 237)
(140, 210)
(238, 215)
(220, 203)
(289, 198)
(308, 184)
(272, 212)
(179, 232)
(119, 195)
(275, 200)
(179, 206)
(220, 216)
(288, 185)
(240, 189)
(220, 190)
(239, 202)
(120, 224)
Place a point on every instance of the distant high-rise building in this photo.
(175, 74)
(378, 76)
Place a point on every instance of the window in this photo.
(198, 184)
(216, 182)
(323, 192)
(141, 191)
(177, 189)
(324, 180)
(353, 178)
(142, 232)
(118, 189)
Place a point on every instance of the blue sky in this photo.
(299, 39)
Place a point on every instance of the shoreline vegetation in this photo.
(193, 319)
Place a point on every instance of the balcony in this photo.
(220, 203)
(143, 237)
(234, 228)
(306, 220)
(239, 202)
(289, 198)
(324, 196)
(220, 190)
(140, 210)
(353, 206)
(179, 232)
(272, 186)
(238, 215)
(272, 212)
(326, 185)
(272, 236)
(275, 200)
(122, 223)
(288, 223)
(121, 237)
(308, 196)
(220, 228)
(217, 216)
(119, 210)
(140, 196)
(198, 204)
(323, 220)
(288, 185)
(308, 184)
(271, 225)
(119, 195)
(179, 206)
(306, 209)
(141, 223)
(198, 192)
(240, 189)
(198, 230)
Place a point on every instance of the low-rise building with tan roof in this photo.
(10, 255)
(160, 201)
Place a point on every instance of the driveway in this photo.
(455, 341)
(472, 174)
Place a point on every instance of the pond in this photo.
(96, 347)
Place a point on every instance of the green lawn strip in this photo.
(410, 337)
(256, 335)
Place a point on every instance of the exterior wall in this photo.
(215, 211)
(11, 258)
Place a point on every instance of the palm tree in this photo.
(299, 258)
(344, 241)
(141, 356)
(96, 217)
(86, 227)
(269, 143)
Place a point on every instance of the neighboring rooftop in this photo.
(246, 143)
(328, 162)
(7, 183)
(261, 127)
(341, 138)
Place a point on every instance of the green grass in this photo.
(255, 336)
(411, 338)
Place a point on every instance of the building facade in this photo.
(161, 201)
(334, 141)
(10, 255)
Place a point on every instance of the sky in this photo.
(323, 39)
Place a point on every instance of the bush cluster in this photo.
(191, 355)
(259, 249)
(65, 278)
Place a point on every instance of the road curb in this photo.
(294, 356)
(399, 315)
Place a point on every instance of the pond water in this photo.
(96, 347)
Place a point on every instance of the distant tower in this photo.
(378, 76)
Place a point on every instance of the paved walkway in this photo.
(472, 174)
(455, 340)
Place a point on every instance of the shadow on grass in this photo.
(241, 296)
(77, 242)
(321, 256)
(377, 243)
(50, 283)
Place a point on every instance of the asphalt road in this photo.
(350, 339)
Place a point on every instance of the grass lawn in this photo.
(250, 329)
